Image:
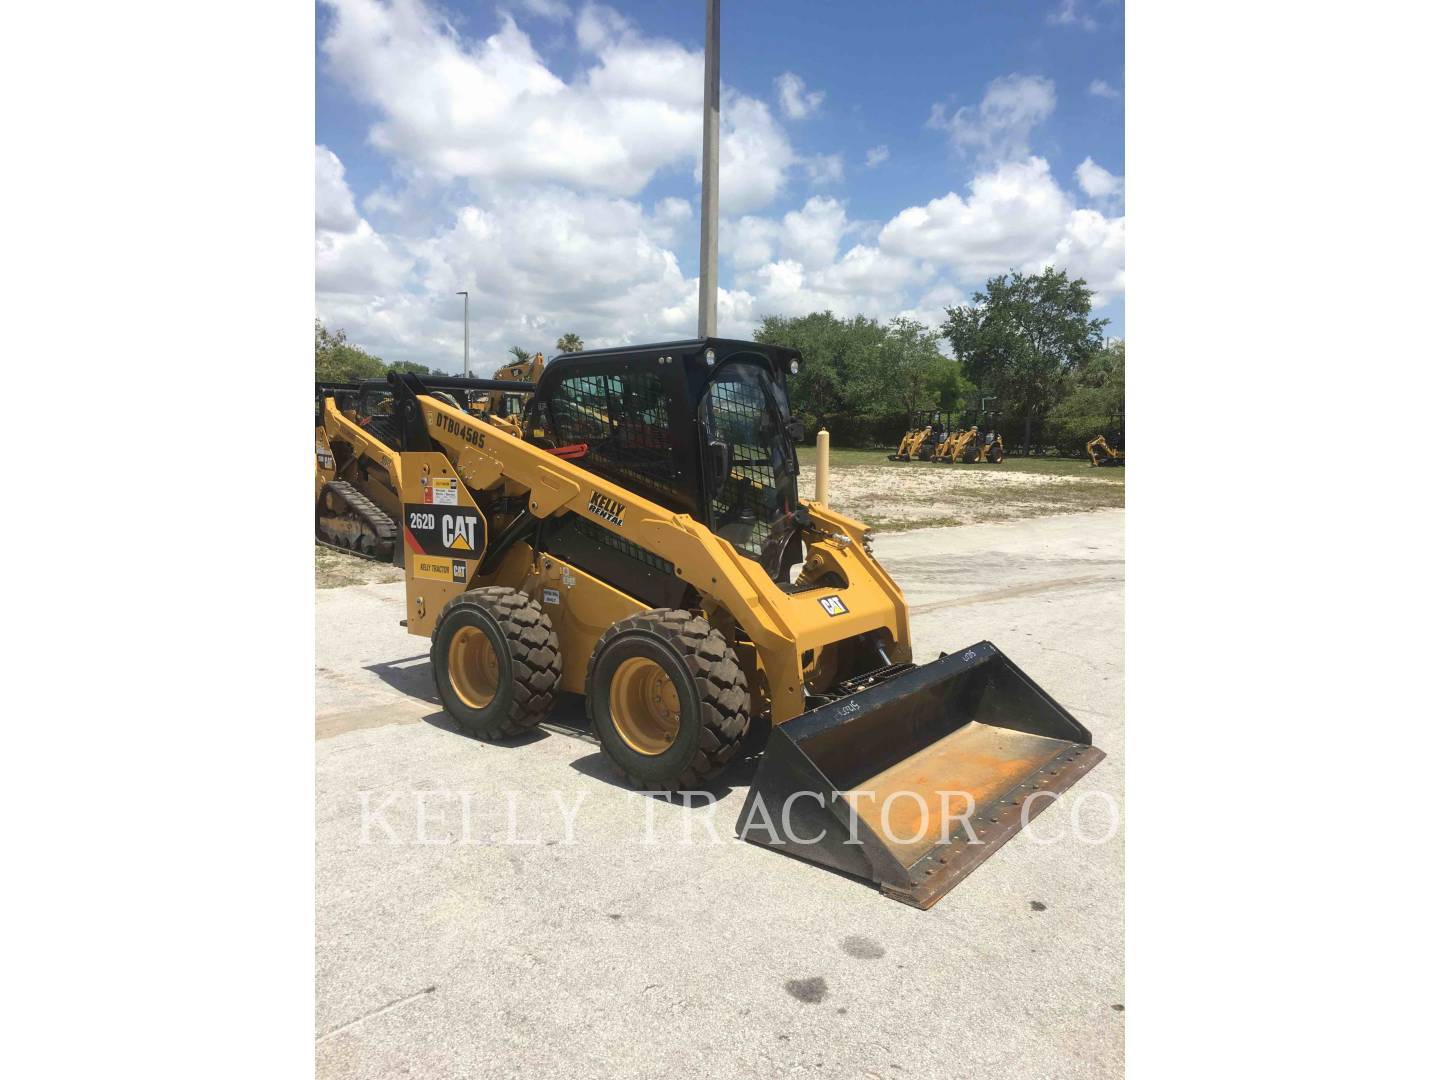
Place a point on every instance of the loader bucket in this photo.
(913, 782)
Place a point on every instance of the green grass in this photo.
(1052, 466)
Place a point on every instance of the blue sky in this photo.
(876, 159)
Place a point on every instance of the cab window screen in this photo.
(736, 412)
(625, 421)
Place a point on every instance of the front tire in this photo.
(496, 661)
(667, 700)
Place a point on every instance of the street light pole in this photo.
(710, 173)
(467, 331)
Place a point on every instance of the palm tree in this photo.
(520, 353)
(570, 343)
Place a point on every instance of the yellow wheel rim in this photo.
(644, 706)
(474, 667)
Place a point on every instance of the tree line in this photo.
(1028, 361)
(338, 360)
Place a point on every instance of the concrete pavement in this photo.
(489, 910)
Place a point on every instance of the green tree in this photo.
(336, 360)
(568, 343)
(913, 372)
(1094, 403)
(841, 381)
(1022, 338)
(522, 354)
(410, 367)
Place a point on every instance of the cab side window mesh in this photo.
(626, 423)
(737, 414)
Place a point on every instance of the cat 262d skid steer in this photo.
(642, 542)
(357, 454)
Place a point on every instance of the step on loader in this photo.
(641, 541)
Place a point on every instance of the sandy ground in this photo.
(921, 494)
(468, 932)
(335, 569)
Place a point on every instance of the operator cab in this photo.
(701, 427)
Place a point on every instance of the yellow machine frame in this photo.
(787, 634)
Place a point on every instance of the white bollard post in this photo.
(822, 467)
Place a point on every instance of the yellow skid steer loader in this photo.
(357, 461)
(642, 542)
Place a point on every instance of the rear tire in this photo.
(667, 700)
(496, 661)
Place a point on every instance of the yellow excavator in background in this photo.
(1101, 454)
(642, 542)
(491, 402)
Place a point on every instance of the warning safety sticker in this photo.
(443, 491)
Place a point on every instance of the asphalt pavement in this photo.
(514, 910)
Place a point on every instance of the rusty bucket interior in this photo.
(914, 782)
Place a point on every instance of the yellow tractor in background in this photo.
(915, 445)
(641, 540)
(970, 447)
(495, 402)
(1101, 455)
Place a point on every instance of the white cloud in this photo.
(876, 155)
(795, 102)
(755, 155)
(547, 9)
(350, 257)
(825, 169)
(1102, 89)
(492, 111)
(793, 264)
(529, 190)
(1013, 215)
(1092, 247)
(809, 236)
(1016, 217)
(1097, 182)
(1071, 13)
(998, 129)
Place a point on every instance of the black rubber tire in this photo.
(714, 698)
(525, 646)
(995, 454)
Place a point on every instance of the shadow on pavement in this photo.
(411, 676)
(740, 774)
(445, 722)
